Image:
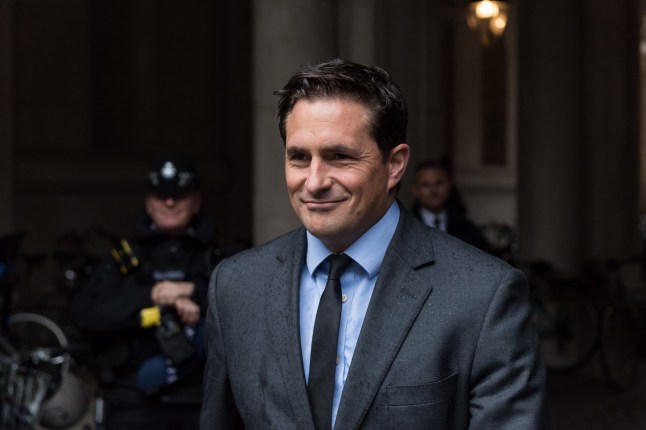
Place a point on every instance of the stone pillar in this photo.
(642, 108)
(357, 30)
(6, 114)
(551, 98)
(611, 137)
(287, 34)
(578, 133)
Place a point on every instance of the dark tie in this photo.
(320, 387)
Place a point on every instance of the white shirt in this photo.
(437, 220)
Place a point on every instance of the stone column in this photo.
(550, 140)
(6, 114)
(357, 30)
(611, 137)
(578, 133)
(287, 34)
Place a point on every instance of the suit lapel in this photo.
(283, 320)
(399, 292)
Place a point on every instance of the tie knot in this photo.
(338, 263)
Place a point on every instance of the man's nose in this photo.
(317, 176)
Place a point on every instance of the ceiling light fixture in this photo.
(487, 19)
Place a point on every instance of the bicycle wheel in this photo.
(68, 397)
(29, 331)
(29, 378)
(619, 346)
(573, 338)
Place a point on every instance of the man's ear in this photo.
(397, 162)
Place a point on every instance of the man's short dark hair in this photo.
(443, 164)
(369, 85)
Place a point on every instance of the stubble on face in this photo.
(337, 180)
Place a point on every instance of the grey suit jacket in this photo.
(446, 342)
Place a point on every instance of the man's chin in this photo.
(319, 220)
(171, 225)
(320, 230)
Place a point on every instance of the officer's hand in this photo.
(187, 310)
(166, 293)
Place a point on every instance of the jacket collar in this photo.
(399, 291)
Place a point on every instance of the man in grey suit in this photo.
(428, 332)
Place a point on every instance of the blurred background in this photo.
(541, 125)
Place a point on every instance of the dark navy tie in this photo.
(323, 359)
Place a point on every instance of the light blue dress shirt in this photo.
(357, 283)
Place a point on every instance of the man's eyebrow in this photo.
(338, 147)
(330, 149)
(295, 150)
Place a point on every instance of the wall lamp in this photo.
(487, 19)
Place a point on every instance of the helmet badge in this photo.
(168, 171)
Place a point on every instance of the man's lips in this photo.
(322, 205)
(169, 213)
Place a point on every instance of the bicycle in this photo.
(564, 315)
(622, 322)
(596, 312)
(38, 388)
(601, 311)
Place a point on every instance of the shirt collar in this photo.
(368, 251)
(429, 217)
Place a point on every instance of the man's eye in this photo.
(340, 156)
(297, 157)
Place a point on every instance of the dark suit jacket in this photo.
(446, 342)
(460, 226)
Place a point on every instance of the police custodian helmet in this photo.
(172, 174)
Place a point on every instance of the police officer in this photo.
(142, 307)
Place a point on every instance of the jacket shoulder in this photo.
(278, 248)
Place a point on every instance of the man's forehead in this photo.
(323, 100)
(335, 113)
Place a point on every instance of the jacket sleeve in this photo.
(110, 302)
(218, 406)
(508, 375)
